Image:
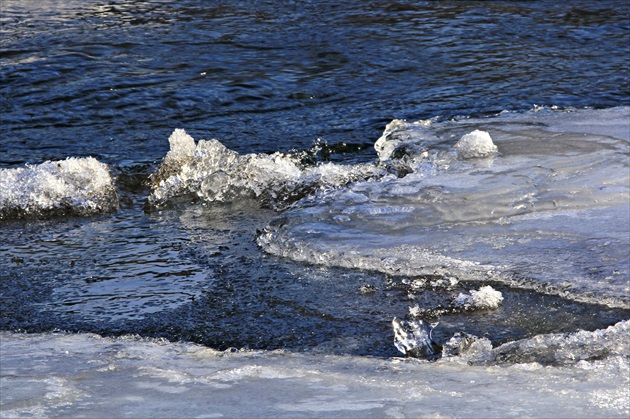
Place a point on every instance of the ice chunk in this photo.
(486, 298)
(413, 338)
(468, 348)
(401, 137)
(75, 186)
(211, 172)
(562, 348)
(182, 150)
(476, 144)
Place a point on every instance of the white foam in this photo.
(78, 186)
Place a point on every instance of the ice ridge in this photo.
(413, 338)
(211, 172)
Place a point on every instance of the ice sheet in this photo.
(550, 211)
(71, 375)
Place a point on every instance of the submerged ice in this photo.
(548, 210)
(75, 186)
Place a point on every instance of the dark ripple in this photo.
(196, 274)
(251, 74)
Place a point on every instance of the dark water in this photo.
(113, 79)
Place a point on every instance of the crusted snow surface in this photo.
(60, 375)
(75, 186)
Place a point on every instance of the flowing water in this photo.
(288, 178)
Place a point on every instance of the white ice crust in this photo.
(77, 186)
(59, 375)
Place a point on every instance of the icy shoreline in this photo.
(85, 374)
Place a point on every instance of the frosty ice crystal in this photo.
(211, 172)
(75, 186)
(476, 144)
(485, 298)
